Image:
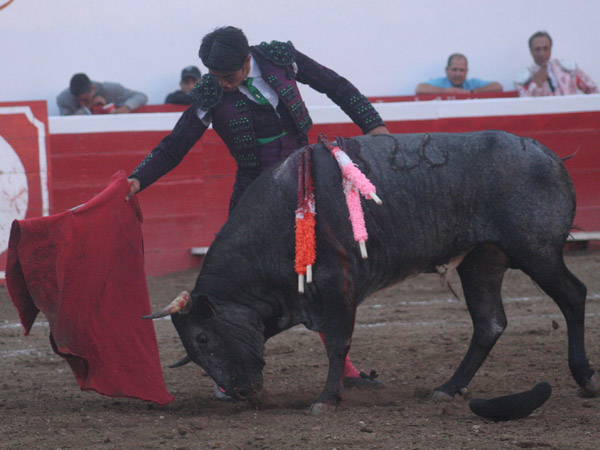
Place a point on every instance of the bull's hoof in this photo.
(448, 391)
(592, 387)
(322, 408)
(441, 396)
(593, 384)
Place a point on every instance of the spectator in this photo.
(551, 76)
(91, 97)
(189, 77)
(455, 81)
(251, 98)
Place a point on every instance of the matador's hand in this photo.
(379, 130)
(134, 188)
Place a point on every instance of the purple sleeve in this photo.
(171, 150)
(340, 91)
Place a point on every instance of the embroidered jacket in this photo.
(570, 79)
(240, 122)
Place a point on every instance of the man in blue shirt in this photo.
(455, 81)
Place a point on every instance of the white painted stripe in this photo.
(26, 352)
(398, 111)
(594, 296)
(41, 129)
(445, 109)
(466, 321)
(113, 123)
(18, 325)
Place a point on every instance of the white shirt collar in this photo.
(259, 83)
(254, 69)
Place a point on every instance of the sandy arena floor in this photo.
(414, 334)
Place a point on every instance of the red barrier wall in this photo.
(182, 210)
(188, 206)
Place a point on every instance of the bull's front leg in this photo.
(337, 343)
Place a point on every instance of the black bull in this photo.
(484, 201)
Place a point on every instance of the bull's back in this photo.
(444, 193)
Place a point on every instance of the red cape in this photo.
(84, 269)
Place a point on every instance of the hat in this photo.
(190, 71)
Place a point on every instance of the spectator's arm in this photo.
(426, 88)
(135, 99)
(123, 97)
(525, 84)
(67, 111)
(494, 86)
(585, 83)
(68, 106)
(531, 89)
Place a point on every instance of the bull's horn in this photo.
(182, 362)
(181, 303)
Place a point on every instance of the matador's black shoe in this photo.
(364, 381)
(221, 395)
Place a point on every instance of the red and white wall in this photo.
(51, 164)
(24, 166)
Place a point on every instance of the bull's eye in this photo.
(202, 339)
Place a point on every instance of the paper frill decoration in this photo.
(357, 217)
(305, 222)
(354, 183)
(353, 174)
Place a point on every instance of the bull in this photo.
(482, 202)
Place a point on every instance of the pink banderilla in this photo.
(354, 183)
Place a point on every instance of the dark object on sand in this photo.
(511, 407)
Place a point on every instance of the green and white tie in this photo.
(260, 99)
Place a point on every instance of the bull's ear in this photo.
(204, 307)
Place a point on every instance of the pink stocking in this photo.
(349, 369)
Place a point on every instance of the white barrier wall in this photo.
(385, 47)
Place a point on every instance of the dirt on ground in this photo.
(414, 334)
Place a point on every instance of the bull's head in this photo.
(227, 344)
